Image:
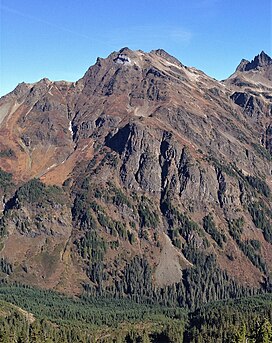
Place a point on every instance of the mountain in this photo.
(260, 61)
(252, 82)
(145, 179)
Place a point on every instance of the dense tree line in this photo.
(245, 320)
(58, 318)
(202, 283)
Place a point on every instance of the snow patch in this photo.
(70, 128)
(122, 59)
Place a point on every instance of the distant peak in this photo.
(21, 88)
(160, 52)
(24, 87)
(125, 50)
(45, 80)
(242, 65)
(164, 54)
(261, 60)
(264, 59)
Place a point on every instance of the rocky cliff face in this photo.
(155, 164)
(261, 61)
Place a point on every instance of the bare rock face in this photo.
(153, 157)
(268, 138)
(259, 61)
(35, 123)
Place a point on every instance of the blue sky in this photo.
(60, 39)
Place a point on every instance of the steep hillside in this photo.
(155, 181)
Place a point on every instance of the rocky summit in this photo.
(144, 179)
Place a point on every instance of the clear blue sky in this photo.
(60, 39)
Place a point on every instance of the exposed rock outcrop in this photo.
(142, 147)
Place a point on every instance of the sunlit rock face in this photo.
(142, 145)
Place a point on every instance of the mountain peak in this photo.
(165, 55)
(125, 50)
(259, 61)
(264, 59)
(242, 65)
